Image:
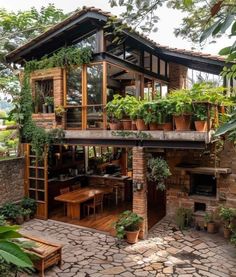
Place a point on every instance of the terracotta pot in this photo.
(153, 126)
(114, 125)
(141, 126)
(127, 124)
(200, 126)
(182, 122)
(27, 217)
(227, 233)
(167, 126)
(134, 127)
(132, 237)
(211, 227)
(45, 108)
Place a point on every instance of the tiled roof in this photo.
(77, 14)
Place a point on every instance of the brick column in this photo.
(178, 76)
(140, 197)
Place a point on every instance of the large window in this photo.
(90, 41)
(74, 87)
(94, 96)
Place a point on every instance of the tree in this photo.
(204, 19)
(16, 28)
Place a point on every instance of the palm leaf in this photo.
(12, 253)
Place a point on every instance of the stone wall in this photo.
(179, 183)
(11, 180)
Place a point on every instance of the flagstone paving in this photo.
(166, 252)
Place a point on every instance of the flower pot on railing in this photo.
(153, 126)
(200, 125)
(133, 124)
(227, 233)
(127, 124)
(140, 124)
(114, 126)
(182, 122)
(167, 126)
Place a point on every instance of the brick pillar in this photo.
(140, 197)
(177, 76)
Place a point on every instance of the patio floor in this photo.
(166, 252)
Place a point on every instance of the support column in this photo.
(140, 197)
(177, 76)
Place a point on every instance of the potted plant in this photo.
(10, 211)
(59, 111)
(165, 107)
(128, 224)
(29, 204)
(200, 117)
(26, 213)
(138, 114)
(19, 216)
(50, 103)
(211, 224)
(151, 115)
(126, 105)
(227, 215)
(114, 112)
(183, 217)
(182, 109)
(158, 172)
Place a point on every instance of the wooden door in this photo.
(37, 182)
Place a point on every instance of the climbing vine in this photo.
(22, 113)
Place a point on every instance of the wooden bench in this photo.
(47, 253)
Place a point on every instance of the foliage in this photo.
(112, 108)
(59, 111)
(2, 220)
(127, 221)
(152, 113)
(29, 204)
(49, 101)
(139, 134)
(65, 57)
(183, 217)
(209, 217)
(181, 101)
(227, 215)
(200, 112)
(10, 251)
(228, 127)
(158, 171)
(10, 211)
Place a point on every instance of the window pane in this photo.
(94, 117)
(147, 60)
(74, 118)
(94, 84)
(90, 41)
(74, 86)
(162, 67)
(154, 64)
(132, 55)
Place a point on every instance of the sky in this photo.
(165, 36)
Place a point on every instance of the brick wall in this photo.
(49, 121)
(11, 180)
(140, 176)
(177, 76)
(179, 182)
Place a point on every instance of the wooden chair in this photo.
(97, 202)
(76, 186)
(63, 191)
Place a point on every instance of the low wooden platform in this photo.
(102, 222)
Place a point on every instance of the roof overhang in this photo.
(58, 36)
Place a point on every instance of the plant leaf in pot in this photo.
(200, 117)
(227, 215)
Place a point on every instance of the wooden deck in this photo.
(101, 222)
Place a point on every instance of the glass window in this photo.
(95, 117)
(74, 87)
(147, 60)
(94, 84)
(162, 67)
(154, 64)
(90, 41)
(132, 55)
(43, 90)
(74, 117)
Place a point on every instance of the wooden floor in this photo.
(102, 221)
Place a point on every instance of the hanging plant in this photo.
(158, 172)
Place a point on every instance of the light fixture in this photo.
(137, 185)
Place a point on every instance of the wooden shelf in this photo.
(206, 170)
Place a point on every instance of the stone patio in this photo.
(166, 252)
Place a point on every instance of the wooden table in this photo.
(73, 199)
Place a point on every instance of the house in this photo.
(202, 178)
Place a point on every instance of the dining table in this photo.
(73, 199)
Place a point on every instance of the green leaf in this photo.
(226, 24)
(208, 32)
(12, 253)
(225, 51)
